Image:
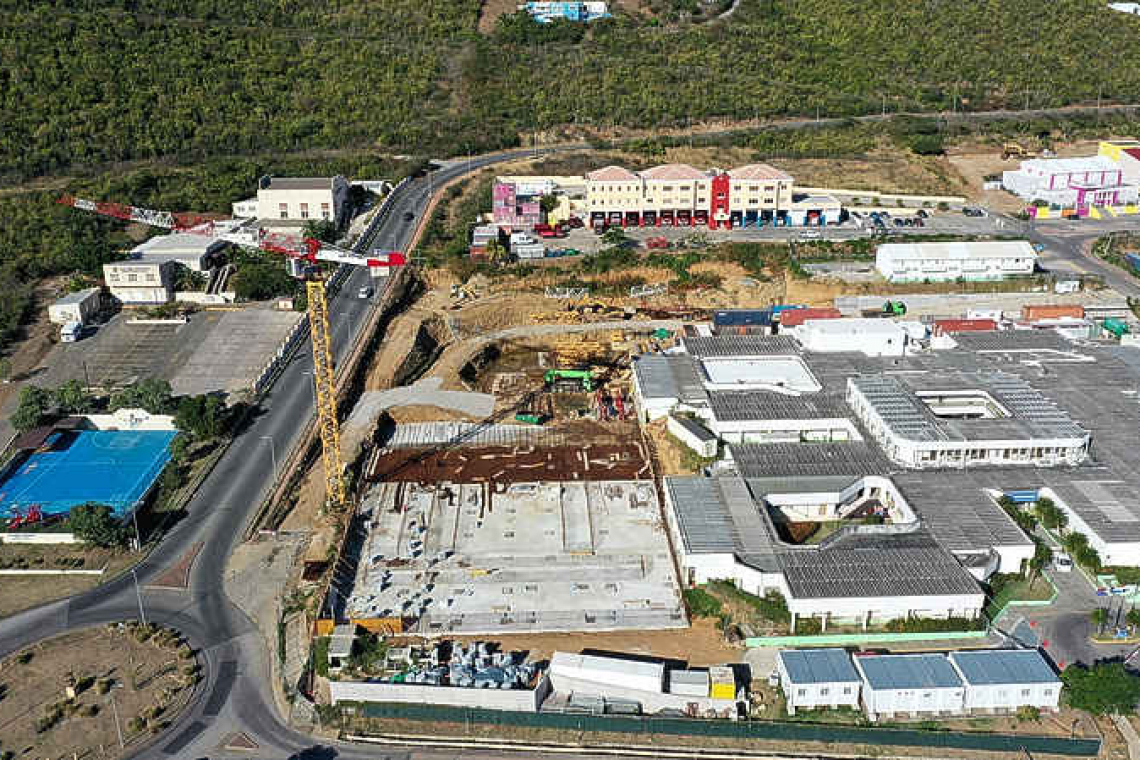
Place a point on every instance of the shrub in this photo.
(701, 603)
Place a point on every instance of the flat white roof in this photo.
(176, 244)
(1068, 165)
(782, 371)
(564, 662)
(856, 326)
(990, 249)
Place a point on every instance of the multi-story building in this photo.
(682, 195)
(141, 281)
(297, 200)
(1078, 183)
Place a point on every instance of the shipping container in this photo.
(947, 326)
(1134, 260)
(796, 317)
(742, 318)
(689, 683)
(1032, 313)
(778, 308)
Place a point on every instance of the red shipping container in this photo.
(1051, 311)
(947, 326)
(796, 317)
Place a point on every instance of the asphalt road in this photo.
(235, 693)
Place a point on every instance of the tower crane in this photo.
(303, 255)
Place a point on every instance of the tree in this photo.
(1088, 557)
(96, 524)
(72, 398)
(1104, 689)
(548, 203)
(1042, 556)
(150, 394)
(1099, 618)
(201, 417)
(1133, 618)
(33, 406)
(320, 229)
(1052, 517)
(614, 236)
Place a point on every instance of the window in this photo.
(132, 278)
(823, 691)
(846, 691)
(1047, 693)
(150, 277)
(304, 210)
(801, 692)
(1025, 693)
(325, 211)
(283, 208)
(112, 276)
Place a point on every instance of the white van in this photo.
(71, 332)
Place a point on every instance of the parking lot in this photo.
(213, 351)
(937, 223)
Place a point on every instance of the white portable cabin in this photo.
(814, 678)
(909, 683)
(605, 672)
(1007, 679)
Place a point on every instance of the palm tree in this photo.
(1099, 617)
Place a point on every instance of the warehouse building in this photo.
(818, 678)
(941, 262)
(1004, 680)
(910, 684)
(197, 253)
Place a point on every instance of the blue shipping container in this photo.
(786, 307)
(1022, 497)
(743, 318)
(1134, 260)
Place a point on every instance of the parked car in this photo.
(409, 216)
(574, 223)
(1062, 562)
(919, 223)
(972, 211)
(365, 292)
(921, 214)
(898, 222)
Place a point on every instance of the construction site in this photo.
(481, 558)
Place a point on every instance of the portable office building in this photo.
(910, 684)
(814, 678)
(1007, 679)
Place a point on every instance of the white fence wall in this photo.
(520, 700)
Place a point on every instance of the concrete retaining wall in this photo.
(519, 700)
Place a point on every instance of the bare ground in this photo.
(145, 675)
(19, 593)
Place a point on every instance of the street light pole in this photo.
(138, 593)
(118, 728)
(272, 454)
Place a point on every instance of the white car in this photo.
(810, 235)
(365, 292)
(1062, 562)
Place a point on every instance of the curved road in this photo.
(235, 693)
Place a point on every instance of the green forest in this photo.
(181, 104)
(94, 82)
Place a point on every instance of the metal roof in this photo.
(957, 251)
(796, 460)
(1031, 414)
(695, 428)
(79, 296)
(719, 515)
(1003, 666)
(732, 406)
(299, 183)
(740, 345)
(907, 671)
(669, 376)
(862, 566)
(958, 512)
(818, 666)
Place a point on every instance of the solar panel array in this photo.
(901, 411)
(732, 406)
(806, 460)
(960, 515)
(911, 564)
(740, 345)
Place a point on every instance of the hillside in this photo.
(92, 82)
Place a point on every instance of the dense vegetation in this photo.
(100, 81)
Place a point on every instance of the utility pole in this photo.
(138, 593)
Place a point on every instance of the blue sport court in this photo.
(112, 467)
